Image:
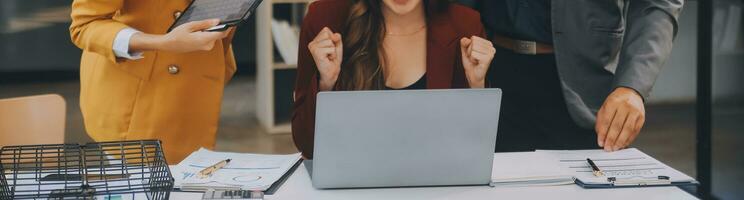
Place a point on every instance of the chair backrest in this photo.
(32, 120)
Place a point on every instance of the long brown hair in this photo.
(363, 36)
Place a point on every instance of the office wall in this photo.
(676, 83)
(34, 37)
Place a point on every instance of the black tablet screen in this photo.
(225, 10)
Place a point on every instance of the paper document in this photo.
(285, 38)
(628, 166)
(244, 171)
(528, 169)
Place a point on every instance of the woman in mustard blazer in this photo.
(171, 92)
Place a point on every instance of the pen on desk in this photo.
(206, 172)
(595, 170)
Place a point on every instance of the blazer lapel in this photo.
(441, 51)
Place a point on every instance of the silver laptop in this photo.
(404, 138)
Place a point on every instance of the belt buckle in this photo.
(525, 47)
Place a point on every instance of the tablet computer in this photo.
(230, 12)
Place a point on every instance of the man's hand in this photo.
(328, 50)
(620, 119)
(477, 54)
(185, 38)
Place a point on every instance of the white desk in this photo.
(299, 187)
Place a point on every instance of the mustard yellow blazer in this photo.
(173, 97)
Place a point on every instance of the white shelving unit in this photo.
(266, 67)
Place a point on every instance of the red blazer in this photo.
(443, 70)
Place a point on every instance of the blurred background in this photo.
(257, 103)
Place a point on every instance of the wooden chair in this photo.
(32, 120)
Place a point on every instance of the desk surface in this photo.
(298, 186)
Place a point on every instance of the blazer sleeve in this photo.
(229, 55)
(473, 28)
(92, 27)
(306, 89)
(651, 28)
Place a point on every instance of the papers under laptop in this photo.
(243, 172)
(624, 168)
(528, 169)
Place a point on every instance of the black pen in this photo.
(595, 170)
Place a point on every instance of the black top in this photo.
(418, 85)
(518, 19)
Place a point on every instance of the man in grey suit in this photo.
(575, 73)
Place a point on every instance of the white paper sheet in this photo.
(245, 171)
(626, 164)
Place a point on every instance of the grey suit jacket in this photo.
(604, 44)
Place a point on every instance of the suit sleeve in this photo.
(92, 27)
(651, 28)
(306, 89)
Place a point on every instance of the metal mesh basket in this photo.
(107, 170)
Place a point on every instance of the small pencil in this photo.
(206, 172)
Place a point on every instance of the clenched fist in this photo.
(477, 54)
(327, 50)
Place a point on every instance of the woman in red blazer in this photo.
(385, 44)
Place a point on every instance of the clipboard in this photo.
(624, 168)
(251, 172)
(230, 12)
(274, 187)
(612, 182)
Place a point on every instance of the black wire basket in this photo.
(103, 171)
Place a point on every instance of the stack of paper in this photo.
(243, 172)
(528, 169)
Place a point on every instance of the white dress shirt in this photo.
(121, 44)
